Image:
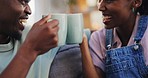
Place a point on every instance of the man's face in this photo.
(12, 12)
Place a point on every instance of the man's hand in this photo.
(43, 36)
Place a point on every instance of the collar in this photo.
(6, 47)
(116, 39)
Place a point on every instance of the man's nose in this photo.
(28, 10)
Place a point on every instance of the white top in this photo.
(39, 69)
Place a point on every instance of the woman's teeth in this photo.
(106, 18)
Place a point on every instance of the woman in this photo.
(120, 49)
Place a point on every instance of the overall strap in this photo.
(109, 38)
(142, 25)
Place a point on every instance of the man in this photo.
(17, 57)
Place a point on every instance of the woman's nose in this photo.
(101, 5)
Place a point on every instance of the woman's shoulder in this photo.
(99, 33)
(98, 37)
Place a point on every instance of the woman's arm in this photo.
(89, 70)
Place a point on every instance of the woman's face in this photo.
(115, 12)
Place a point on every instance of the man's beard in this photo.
(15, 35)
(11, 30)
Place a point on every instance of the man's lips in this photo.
(23, 19)
(22, 23)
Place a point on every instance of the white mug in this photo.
(62, 33)
(75, 28)
(70, 28)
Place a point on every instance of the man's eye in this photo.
(109, 1)
(24, 2)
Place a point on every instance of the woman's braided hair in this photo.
(143, 9)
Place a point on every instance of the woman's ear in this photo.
(137, 3)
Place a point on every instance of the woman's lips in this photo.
(106, 19)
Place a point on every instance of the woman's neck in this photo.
(124, 32)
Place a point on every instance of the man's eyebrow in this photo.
(27, 1)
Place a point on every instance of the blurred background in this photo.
(92, 17)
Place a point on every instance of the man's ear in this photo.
(137, 3)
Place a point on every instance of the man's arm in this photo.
(41, 38)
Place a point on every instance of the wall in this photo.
(92, 17)
(44, 7)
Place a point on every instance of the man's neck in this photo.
(4, 39)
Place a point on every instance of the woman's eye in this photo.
(23, 2)
(99, 0)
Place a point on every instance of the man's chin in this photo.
(16, 35)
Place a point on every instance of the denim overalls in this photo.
(127, 61)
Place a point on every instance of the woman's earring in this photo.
(133, 10)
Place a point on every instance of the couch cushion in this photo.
(67, 63)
